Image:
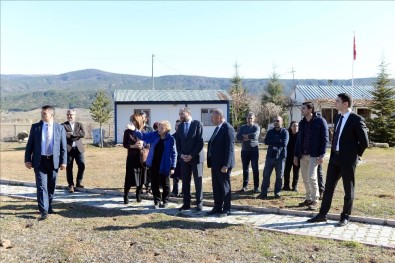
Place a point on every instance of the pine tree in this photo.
(239, 106)
(274, 91)
(382, 127)
(100, 110)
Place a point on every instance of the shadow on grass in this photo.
(180, 224)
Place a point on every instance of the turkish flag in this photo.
(355, 50)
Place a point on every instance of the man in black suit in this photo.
(190, 143)
(75, 149)
(46, 152)
(349, 142)
(221, 160)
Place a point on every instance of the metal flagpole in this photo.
(352, 74)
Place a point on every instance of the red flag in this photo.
(355, 50)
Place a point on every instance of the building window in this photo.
(366, 113)
(329, 115)
(148, 112)
(206, 116)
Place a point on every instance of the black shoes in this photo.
(305, 203)
(261, 196)
(213, 212)
(79, 186)
(138, 195)
(199, 208)
(51, 211)
(318, 218)
(184, 207)
(342, 222)
(164, 205)
(277, 196)
(286, 188)
(126, 199)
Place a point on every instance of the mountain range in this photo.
(26, 92)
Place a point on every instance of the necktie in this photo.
(214, 133)
(337, 134)
(47, 140)
(186, 128)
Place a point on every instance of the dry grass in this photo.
(375, 179)
(84, 234)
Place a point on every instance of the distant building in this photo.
(165, 105)
(324, 97)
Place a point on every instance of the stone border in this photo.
(266, 210)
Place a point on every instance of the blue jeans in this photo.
(246, 158)
(270, 164)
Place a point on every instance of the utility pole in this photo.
(153, 84)
(294, 89)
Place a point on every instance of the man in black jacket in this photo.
(349, 142)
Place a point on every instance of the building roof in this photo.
(330, 92)
(170, 95)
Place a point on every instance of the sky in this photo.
(201, 38)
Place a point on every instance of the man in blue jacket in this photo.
(277, 140)
(46, 152)
(310, 150)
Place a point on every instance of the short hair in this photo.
(345, 97)
(166, 124)
(250, 114)
(72, 111)
(186, 109)
(309, 105)
(178, 121)
(219, 112)
(49, 107)
(139, 121)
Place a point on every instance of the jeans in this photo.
(246, 158)
(270, 164)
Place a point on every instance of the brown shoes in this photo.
(313, 205)
(71, 188)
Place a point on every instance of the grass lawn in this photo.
(83, 234)
(105, 168)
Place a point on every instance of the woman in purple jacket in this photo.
(162, 159)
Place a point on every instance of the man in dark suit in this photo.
(46, 152)
(221, 160)
(75, 149)
(349, 142)
(190, 143)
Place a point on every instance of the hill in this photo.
(26, 92)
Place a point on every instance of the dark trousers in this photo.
(45, 182)
(320, 176)
(246, 158)
(289, 164)
(221, 189)
(187, 170)
(158, 179)
(278, 166)
(76, 155)
(336, 170)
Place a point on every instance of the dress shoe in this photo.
(213, 212)
(184, 207)
(199, 208)
(286, 188)
(261, 196)
(224, 213)
(138, 196)
(318, 218)
(164, 205)
(43, 216)
(305, 203)
(71, 188)
(51, 211)
(244, 189)
(173, 195)
(277, 196)
(79, 186)
(256, 190)
(342, 222)
(126, 199)
(294, 189)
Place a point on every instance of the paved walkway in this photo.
(372, 233)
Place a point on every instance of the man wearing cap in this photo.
(74, 133)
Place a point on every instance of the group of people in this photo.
(156, 155)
